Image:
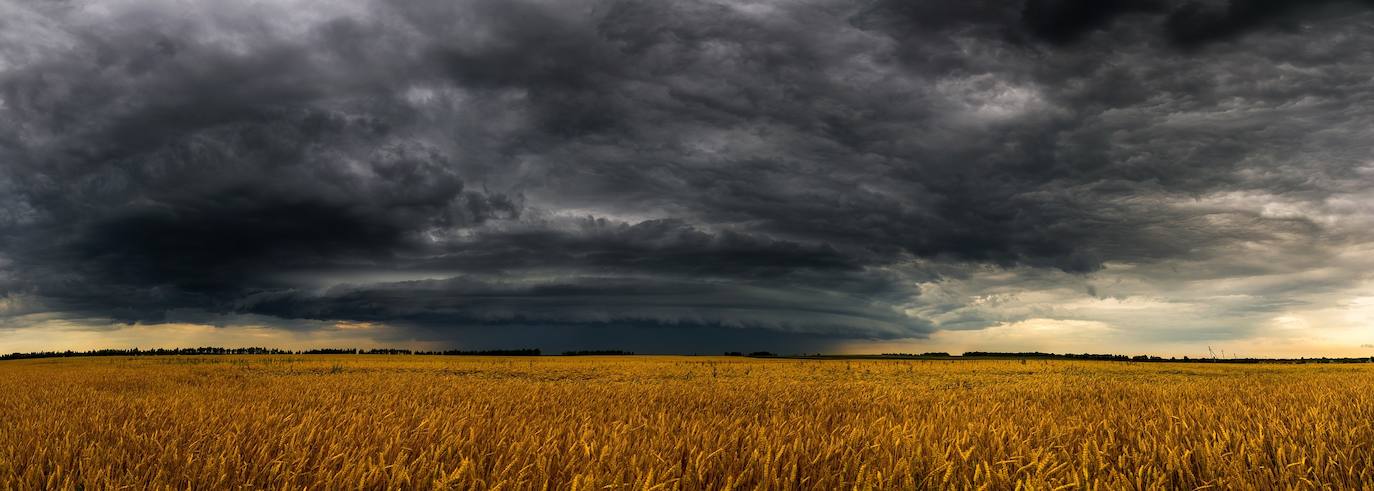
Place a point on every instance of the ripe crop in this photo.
(375, 422)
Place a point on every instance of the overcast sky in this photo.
(1124, 176)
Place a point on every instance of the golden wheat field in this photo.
(377, 422)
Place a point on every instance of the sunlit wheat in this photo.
(370, 422)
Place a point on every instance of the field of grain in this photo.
(374, 422)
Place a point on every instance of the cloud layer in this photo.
(606, 174)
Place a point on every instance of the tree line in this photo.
(214, 350)
(1037, 355)
(1030, 355)
(598, 352)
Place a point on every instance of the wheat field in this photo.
(422, 422)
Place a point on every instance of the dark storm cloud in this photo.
(1065, 21)
(1187, 24)
(1197, 22)
(592, 301)
(611, 166)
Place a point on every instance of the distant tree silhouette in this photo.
(597, 352)
(971, 355)
(494, 352)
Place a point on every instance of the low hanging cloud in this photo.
(600, 172)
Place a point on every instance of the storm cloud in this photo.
(614, 174)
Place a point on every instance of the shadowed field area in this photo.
(287, 422)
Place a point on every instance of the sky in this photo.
(1110, 176)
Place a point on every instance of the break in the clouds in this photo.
(1116, 176)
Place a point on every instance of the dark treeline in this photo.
(258, 351)
(355, 351)
(1147, 358)
(598, 352)
(329, 351)
(756, 354)
(492, 352)
(1033, 355)
(1039, 355)
(1036, 355)
(207, 350)
(388, 352)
